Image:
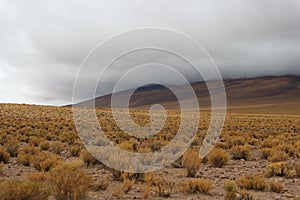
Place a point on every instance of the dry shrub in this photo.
(26, 154)
(297, 169)
(34, 141)
(196, 185)
(36, 177)
(127, 185)
(45, 161)
(12, 146)
(244, 195)
(4, 155)
(163, 187)
(240, 152)
(74, 151)
(1, 169)
(24, 159)
(265, 152)
(23, 190)
(69, 181)
(235, 141)
(101, 184)
(252, 182)
(279, 169)
(149, 178)
(145, 189)
(278, 156)
(218, 157)
(117, 192)
(88, 158)
(275, 186)
(231, 191)
(45, 145)
(191, 162)
(57, 147)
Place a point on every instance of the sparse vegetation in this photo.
(34, 150)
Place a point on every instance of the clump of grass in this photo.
(4, 155)
(44, 161)
(17, 189)
(278, 156)
(102, 184)
(297, 169)
(88, 158)
(57, 147)
(275, 186)
(244, 195)
(191, 162)
(163, 186)
(240, 152)
(127, 185)
(74, 151)
(218, 157)
(252, 182)
(69, 181)
(12, 146)
(231, 191)
(197, 185)
(45, 145)
(279, 169)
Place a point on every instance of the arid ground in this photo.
(257, 157)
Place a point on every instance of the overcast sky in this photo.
(43, 43)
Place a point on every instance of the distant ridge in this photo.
(269, 94)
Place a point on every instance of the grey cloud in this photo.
(44, 42)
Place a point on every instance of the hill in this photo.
(271, 94)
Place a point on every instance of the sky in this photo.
(43, 43)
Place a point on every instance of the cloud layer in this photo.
(44, 42)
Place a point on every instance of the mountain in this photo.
(268, 94)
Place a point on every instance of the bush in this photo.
(218, 157)
(163, 186)
(69, 181)
(34, 141)
(57, 147)
(127, 185)
(252, 182)
(279, 169)
(24, 159)
(197, 185)
(45, 145)
(12, 146)
(275, 186)
(278, 156)
(88, 158)
(240, 152)
(4, 156)
(1, 169)
(191, 162)
(23, 190)
(265, 152)
(45, 161)
(74, 151)
(101, 184)
(230, 189)
(297, 169)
